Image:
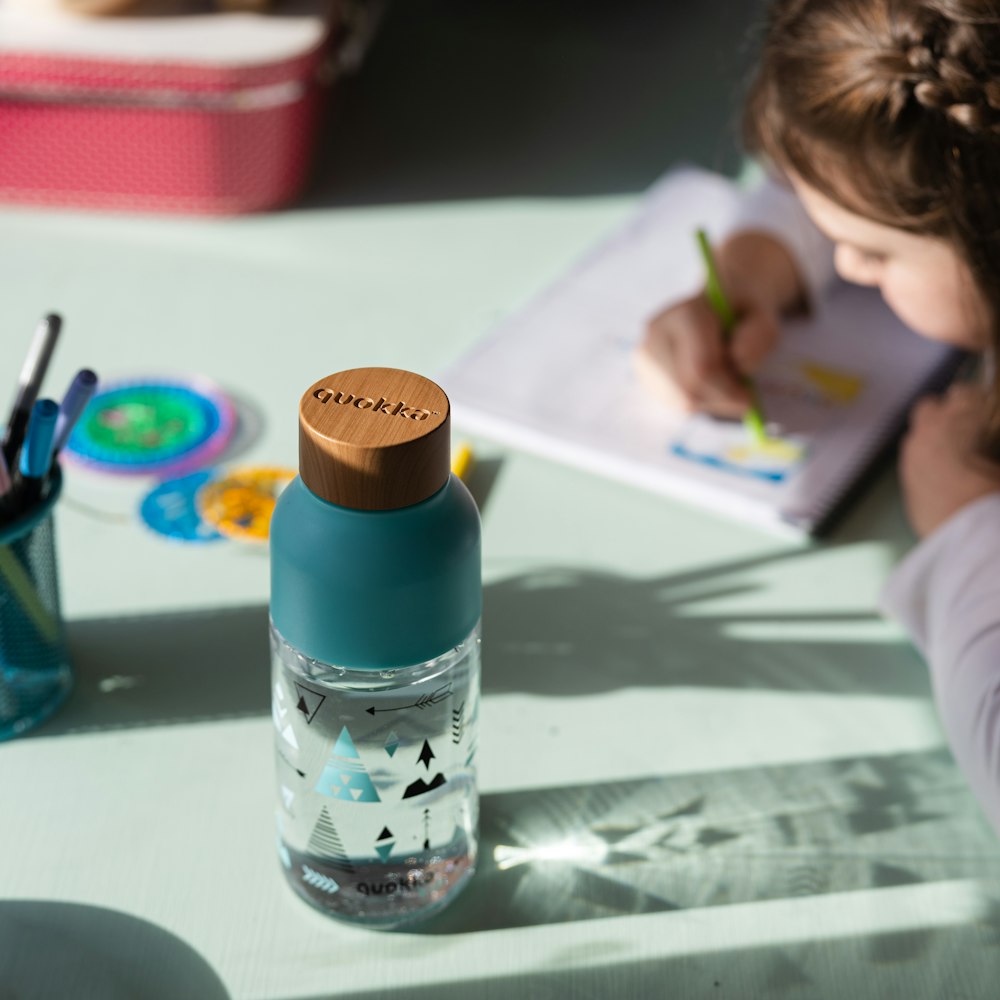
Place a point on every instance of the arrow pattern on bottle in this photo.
(424, 701)
(322, 882)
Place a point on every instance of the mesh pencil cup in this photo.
(35, 672)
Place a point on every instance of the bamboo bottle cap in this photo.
(374, 438)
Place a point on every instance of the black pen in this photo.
(32, 373)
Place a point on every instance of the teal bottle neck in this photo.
(375, 589)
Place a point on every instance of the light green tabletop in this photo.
(708, 767)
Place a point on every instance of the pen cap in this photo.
(374, 438)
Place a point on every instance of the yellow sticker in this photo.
(834, 386)
(240, 504)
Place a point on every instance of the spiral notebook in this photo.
(557, 378)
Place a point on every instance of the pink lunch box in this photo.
(197, 112)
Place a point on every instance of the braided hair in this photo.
(891, 108)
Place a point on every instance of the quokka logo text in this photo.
(381, 405)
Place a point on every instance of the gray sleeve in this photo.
(946, 593)
(772, 207)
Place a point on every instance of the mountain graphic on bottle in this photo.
(421, 787)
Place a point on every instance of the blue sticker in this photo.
(170, 509)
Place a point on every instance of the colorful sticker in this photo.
(170, 509)
(153, 427)
(240, 503)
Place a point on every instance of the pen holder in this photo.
(35, 671)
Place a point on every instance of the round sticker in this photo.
(240, 503)
(153, 427)
(170, 509)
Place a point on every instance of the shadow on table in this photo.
(575, 97)
(841, 966)
(50, 949)
(569, 632)
(170, 668)
(554, 633)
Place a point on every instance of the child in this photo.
(884, 118)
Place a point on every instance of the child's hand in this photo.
(940, 465)
(684, 359)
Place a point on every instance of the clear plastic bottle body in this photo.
(377, 805)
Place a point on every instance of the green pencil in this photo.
(753, 419)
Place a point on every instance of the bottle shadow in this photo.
(52, 949)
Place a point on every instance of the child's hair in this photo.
(891, 108)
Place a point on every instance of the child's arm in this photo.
(947, 591)
(771, 206)
(947, 594)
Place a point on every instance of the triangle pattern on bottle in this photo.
(345, 776)
(279, 713)
(385, 849)
(345, 745)
(325, 842)
(308, 702)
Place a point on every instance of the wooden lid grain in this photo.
(374, 438)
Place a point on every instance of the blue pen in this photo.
(78, 395)
(36, 452)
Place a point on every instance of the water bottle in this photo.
(376, 598)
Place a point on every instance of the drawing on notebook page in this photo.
(799, 393)
(728, 446)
